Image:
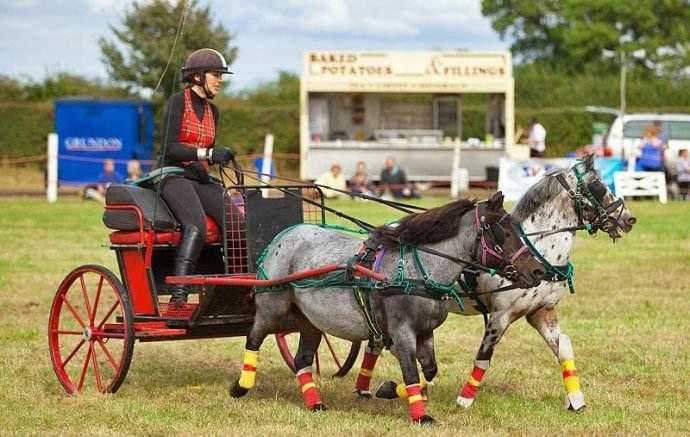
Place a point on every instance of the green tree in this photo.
(142, 46)
(575, 34)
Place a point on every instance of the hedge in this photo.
(558, 101)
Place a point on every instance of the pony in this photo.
(552, 209)
(409, 305)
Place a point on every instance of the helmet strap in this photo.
(201, 84)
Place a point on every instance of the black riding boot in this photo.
(185, 262)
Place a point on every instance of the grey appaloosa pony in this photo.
(408, 317)
(561, 200)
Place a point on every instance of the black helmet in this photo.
(204, 60)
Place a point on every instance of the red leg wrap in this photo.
(415, 402)
(364, 377)
(309, 394)
(469, 390)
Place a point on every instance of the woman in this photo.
(651, 152)
(190, 133)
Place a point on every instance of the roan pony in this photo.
(552, 210)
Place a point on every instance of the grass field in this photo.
(629, 324)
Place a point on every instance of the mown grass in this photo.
(628, 323)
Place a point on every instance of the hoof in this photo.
(425, 420)
(464, 402)
(319, 407)
(575, 402)
(363, 394)
(386, 390)
(236, 391)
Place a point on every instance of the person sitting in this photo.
(393, 179)
(651, 153)
(107, 177)
(683, 173)
(333, 178)
(133, 170)
(190, 136)
(360, 183)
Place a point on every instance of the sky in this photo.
(38, 38)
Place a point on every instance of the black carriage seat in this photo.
(125, 222)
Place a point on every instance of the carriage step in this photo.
(145, 329)
(185, 311)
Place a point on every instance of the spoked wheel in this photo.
(334, 355)
(91, 331)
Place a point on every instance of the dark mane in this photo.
(432, 226)
(537, 195)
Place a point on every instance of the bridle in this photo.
(592, 214)
(494, 250)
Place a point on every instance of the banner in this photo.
(515, 177)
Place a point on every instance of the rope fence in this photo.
(4, 161)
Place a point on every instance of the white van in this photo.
(624, 137)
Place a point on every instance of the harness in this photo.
(584, 200)
(370, 255)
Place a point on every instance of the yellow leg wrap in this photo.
(248, 376)
(570, 379)
(401, 390)
(415, 398)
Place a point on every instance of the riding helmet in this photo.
(203, 60)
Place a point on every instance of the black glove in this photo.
(222, 155)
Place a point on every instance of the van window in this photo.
(678, 130)
(635, 129)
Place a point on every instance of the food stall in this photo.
(366, 106)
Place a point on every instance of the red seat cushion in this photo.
(171, 237)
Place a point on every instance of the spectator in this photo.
(333, 178)
(661, 133)
(360, 183)
(107, 177)
(536, 139)
(683, 173)
(652, 152)
(393, 179)
(133, 170)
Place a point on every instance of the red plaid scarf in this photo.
(194, 132)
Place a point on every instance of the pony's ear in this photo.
(589, 161)
(496, 201)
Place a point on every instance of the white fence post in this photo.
(52, 188)
(266, 163)
(459, 178)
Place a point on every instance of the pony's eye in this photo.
(598, 189)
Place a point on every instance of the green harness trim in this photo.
(555, 273)
(341, 279)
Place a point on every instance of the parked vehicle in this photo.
(625, 134)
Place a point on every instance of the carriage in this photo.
(96, 317)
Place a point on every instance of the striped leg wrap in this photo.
(469, 390)
(364, 377)
(401, 389)
(248, 376)
(309, 394)
(415, 402)
(570, 379)
(574, 398)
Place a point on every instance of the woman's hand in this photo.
(222, 155)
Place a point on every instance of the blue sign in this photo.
(92, 131)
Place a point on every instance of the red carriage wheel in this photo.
(91, 331)
(341, 354)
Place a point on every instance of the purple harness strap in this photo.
(485, 247)
(379, 259)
